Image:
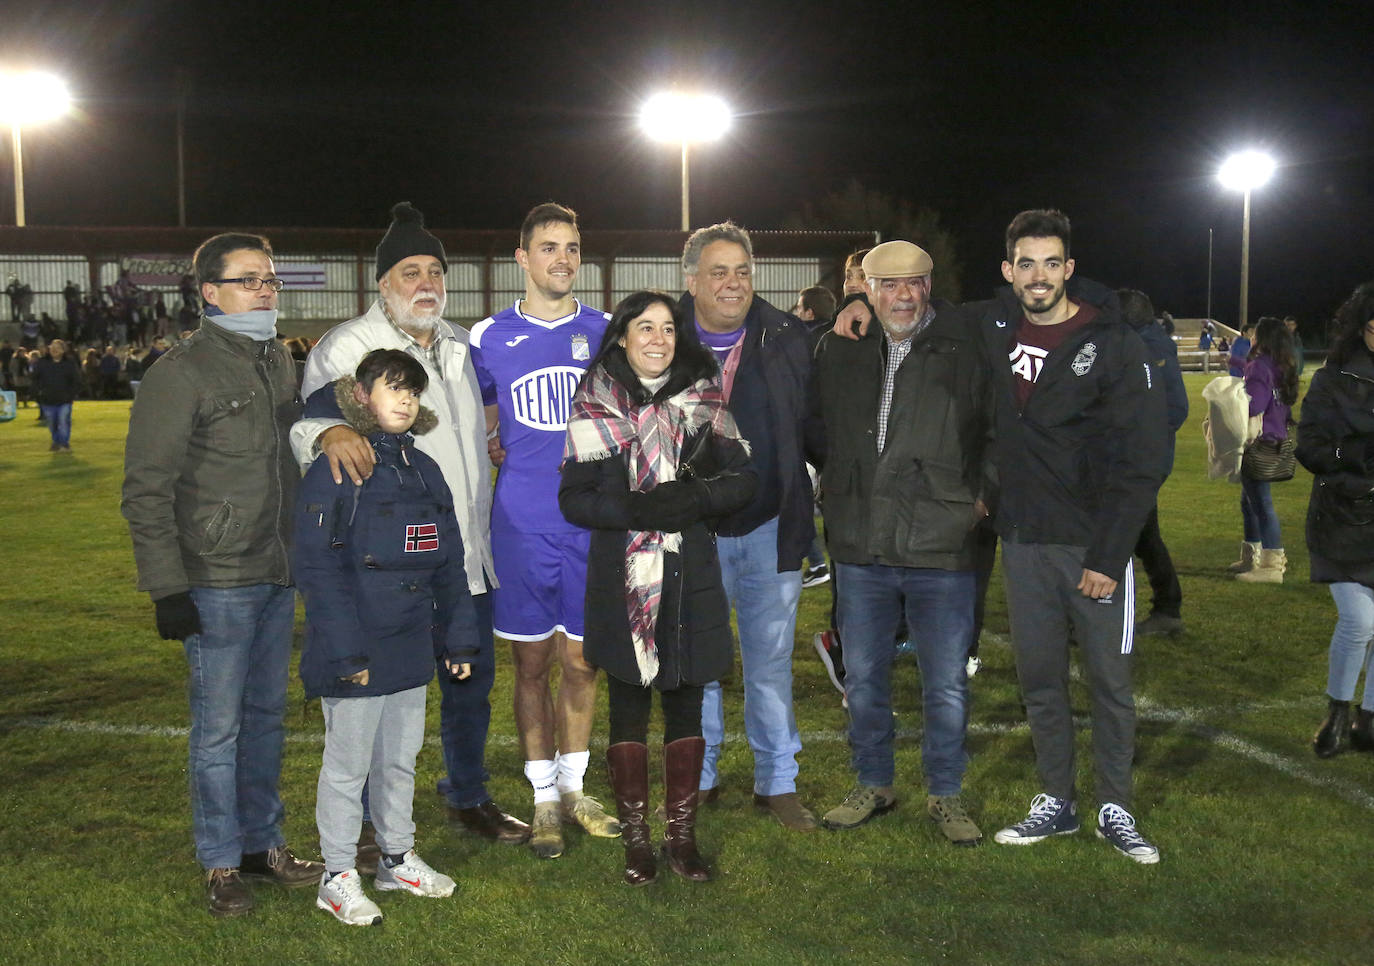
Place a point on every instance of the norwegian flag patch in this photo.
(422, 537)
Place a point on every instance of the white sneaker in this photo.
(343, 897)
(414, 876)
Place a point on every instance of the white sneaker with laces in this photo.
(343, 898)
(1117, 826)
(415, 876)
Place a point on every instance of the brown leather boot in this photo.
(629, 764)
(682, 773)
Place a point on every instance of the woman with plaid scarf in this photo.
(652, 458)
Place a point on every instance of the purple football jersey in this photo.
(529, 368)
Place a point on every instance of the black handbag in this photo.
(1271, 461)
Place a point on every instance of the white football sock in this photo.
(571, 767)
(543, 774)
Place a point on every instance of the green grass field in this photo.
(1265, 848)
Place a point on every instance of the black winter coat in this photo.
(693, 636)
(1336, 442)
(783, 349)
(56, 382)
(911, 505)
(1082, 463)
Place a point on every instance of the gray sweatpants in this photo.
(1046, 610)
(376, 739)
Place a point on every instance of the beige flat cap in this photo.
(897, 259)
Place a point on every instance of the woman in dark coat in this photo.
(1336, 442)
(652, 457)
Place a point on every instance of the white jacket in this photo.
(458, 444)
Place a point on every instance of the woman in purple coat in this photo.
(1271, 381)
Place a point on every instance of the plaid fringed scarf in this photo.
(606, 420)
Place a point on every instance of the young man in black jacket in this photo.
(1080, 429)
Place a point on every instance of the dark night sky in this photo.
(325, 114)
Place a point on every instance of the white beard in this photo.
(402, 314)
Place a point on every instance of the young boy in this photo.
(381, 568)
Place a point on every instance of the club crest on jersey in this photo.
(1084, 360)
(421, 537)
(581, 351)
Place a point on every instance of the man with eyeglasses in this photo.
(209, 484)
(408, 315)
(903, 472)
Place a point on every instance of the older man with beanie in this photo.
(408, 315)
(904, 482)
(765, 370)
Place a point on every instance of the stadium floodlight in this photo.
(684, 119)
(1244, 171)
(28, 97)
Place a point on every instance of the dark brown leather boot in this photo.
(1335, 730)
(1362, 730)
(629, 764)
(682, 773)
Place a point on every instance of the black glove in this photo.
(177, 617)
(670, 507)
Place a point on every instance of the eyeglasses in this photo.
(252, 282)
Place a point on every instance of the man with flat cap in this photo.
(408, 315)
(903, 483)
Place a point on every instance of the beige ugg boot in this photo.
(1268, 570)
(1249, 552)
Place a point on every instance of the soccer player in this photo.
(529, 359)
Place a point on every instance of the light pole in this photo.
(26, 98)
(1242, 172)
(685, 118)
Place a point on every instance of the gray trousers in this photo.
(1047, 610)
(373, 740)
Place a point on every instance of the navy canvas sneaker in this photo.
(1117, 826)
(1048, 816)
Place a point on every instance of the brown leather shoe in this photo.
(488, 821)
(629, 766)
(226, 894)
(789, 810)
(280, 866)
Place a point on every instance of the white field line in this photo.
(1192, 720)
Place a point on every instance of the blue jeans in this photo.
(59, 420)
(465, 716)
(938, 606)
(238, 668)
(1350, 643)
(1257, 512)
(765, 604)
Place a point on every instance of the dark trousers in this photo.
(1159, 566)
(1046, 610)
(465, 716)
(629, 706)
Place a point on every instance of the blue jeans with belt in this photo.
(237, 688)
(938, 606)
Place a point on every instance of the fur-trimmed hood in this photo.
(361, 418)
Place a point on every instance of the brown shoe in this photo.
(280, 866)
(488, 821)
(369, 852)
(226, 894)
(788, 809)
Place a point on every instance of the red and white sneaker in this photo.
(344, 898)
(415, 876)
